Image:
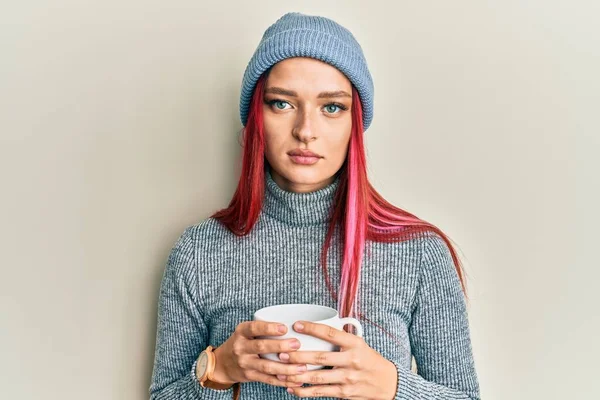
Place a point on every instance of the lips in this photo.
(303, 153)
(301, 158)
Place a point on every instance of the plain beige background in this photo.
(119, 127)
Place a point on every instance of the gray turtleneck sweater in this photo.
(214, 280)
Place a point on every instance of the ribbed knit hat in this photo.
(300, 35)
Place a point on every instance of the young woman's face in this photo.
(307, 105)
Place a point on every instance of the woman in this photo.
(305, 226)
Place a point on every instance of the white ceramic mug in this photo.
(288, 314)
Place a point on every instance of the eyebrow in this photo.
(291, 93)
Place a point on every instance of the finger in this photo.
(336, 391)
(269, 367)
(264, 346)
(325, 358)
(256, 376)
(250, 329)
(328, 333)
(322, 377)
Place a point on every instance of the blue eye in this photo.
(329, 109)
(278, 103)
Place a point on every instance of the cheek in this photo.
(274, 122)
(272, 131)
(341, 131)
(274, 145)
(338, 147)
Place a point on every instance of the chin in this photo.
(306, 176)
(301, 174)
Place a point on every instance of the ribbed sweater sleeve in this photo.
(439, 333)
(181, 333)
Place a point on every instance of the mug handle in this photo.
(355, 323)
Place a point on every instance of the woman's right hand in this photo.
(237, 358)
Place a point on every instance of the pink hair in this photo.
(361, 212)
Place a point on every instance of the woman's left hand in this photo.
(359, 371)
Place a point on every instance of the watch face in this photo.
(202, 363)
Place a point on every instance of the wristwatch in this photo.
(205, 367)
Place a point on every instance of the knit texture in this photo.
(300, 35)
(214, 280)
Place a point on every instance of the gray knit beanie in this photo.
(299, 35)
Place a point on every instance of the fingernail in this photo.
(281, 377)
(284, 356)
(299, 326)
(295, 345)
(281, 328)
(302, 368)
(290, 390)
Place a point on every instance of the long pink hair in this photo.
(360, 212)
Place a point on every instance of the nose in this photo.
(303, 130)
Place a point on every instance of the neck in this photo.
(299, 209)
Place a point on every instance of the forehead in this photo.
(308, 76)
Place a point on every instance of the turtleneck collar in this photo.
(298, 209)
